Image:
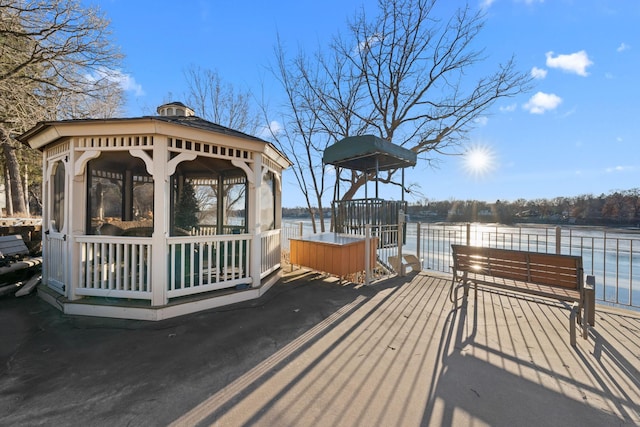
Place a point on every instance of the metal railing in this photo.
(613, 257)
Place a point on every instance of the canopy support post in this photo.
(377, 170)
(402, 188)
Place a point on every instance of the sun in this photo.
(479, 160)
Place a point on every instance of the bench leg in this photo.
(453, 291)
(572, 324)
(590, 300)
(588, 312)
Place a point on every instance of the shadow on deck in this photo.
(406, 357)
(314, 352)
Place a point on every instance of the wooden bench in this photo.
(12, 248)
(559, 277)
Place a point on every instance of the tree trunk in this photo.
(321, 214)
(15, 181)
(7, 193)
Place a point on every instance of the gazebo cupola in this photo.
(175, 109)
(156, 216)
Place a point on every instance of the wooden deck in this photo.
(316, 352)
(406, 357)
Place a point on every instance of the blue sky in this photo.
(577, 132)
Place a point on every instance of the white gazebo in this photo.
(155, 217)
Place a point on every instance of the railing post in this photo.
(367, 254)
(468, 234)
(400, 235)
(558, 242)
(300, 229)
(418, 242)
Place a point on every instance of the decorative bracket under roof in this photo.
(245, 167)
(81, 163)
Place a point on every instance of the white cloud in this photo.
(538, 73)
(126, 81)
(274, 128)
(623, 46)
(572, 63)
(542, 102)
(370, 42)
(486, 4)
(509, 108)
(482, 120)
(619, 169)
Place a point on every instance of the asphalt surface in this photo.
(72, 370)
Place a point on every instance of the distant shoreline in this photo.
(621, 228)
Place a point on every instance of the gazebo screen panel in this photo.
(119, 196)
(209, 196)
(268, 202)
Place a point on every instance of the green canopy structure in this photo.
(368, 152)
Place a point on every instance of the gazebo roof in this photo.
(197, 122)
(48, 132)
(364, 152)
(190, 121)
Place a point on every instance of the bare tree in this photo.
(56, 61)
(401, 76)
(220, 102)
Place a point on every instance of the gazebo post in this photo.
(253, 217)
(76, 212)
(161, 209)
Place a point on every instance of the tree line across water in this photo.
(617, 208)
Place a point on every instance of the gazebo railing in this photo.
(120, 267)
(205, 263)
(113, 266)
(271, 252)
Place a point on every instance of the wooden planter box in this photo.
(332, 253)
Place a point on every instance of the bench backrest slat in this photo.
(535, 267)
(13, 245)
